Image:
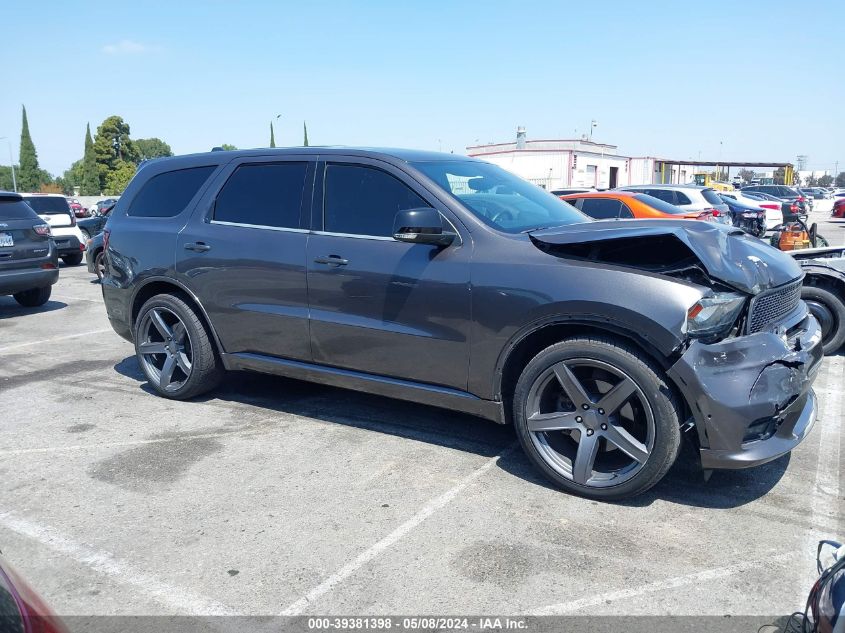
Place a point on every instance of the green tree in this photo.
(305, 134)
(89, 184)
(840, 179)
(779, 176)
(272, 136)
(152, 148)
(746, 174)
(113, 148)
(72, 176)
(29, 176)
(6, 177)
(825, 181)
(119, 177)
(228, 147)
(811, 181)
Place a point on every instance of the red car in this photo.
(21, 609)
(78, 210)
(838, 209)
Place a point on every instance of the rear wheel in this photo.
(72, 260)
(829, 310)
(100, 265)
(596, 418)
(33, 298)
(174, 349)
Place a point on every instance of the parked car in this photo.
(94, 257)
(78, 210)
(102, 204)
(824, 291)
(688, 197)
(55, 211)
(93, 225)
(21, 608)
(749, 218)
(449, 281)
(609, 205)
(772, 206)
(29, 262)
(782, 193)
(838, 210)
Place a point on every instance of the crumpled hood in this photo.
(727, 253)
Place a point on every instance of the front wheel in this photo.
(174, 349)
(596, 418)
(829, 310)
(33, 298)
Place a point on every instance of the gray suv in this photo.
(448, 281)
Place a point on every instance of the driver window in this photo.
(362, 200)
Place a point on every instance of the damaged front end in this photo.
(751, 348)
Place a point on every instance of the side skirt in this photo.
(422, 393)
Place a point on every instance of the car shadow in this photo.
(684, 484)
(10, 308)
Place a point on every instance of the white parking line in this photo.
(297, 607)
(53, 340)
(183, 601)
(826, 503)
(662, 585)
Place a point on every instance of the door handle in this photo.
(331, 260)
(199, 247)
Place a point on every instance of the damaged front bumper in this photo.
(751, 397)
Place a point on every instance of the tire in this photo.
(33, 298)
(99, 265)
(829, 309)
(821, 242)
(647, 422)
(72, 260)
(187, 364)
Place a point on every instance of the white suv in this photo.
(55, 211)
(687, 197)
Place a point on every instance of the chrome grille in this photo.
(771, 306)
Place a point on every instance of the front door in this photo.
(614, 177)
(378, 305)
(243, 256)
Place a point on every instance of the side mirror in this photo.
(421, 226)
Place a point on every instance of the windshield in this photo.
(498, 198)
(657, 203)
(711, 196)
(48, 205)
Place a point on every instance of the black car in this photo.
(29, 261)
(788, 195)
(449, 281)
(92, 225)
(750, 219)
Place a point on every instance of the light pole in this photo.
(11, 162)
(593, 125)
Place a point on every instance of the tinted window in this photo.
(601, 208)
(364, 201)
(48, 205)
(625, 212)
(711, 196)
(264, 195)
(667, 195)
(681, 198)
(16, 210)
(168, 194)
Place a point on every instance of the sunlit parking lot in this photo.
(279, 497)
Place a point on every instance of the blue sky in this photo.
(662, 78)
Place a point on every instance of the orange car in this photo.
(608, 205)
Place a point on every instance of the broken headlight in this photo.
(714, 315)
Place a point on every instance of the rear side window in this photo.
(657, 203)
(16, 210)
(167, 194)
(667, 195)
(48, 205)
(364, 201)
(601, 208)
(266, 194)
(711, 196)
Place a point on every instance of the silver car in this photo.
(687, 197)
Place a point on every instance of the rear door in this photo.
(19, 243)
(243, 255)
(54, 210)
